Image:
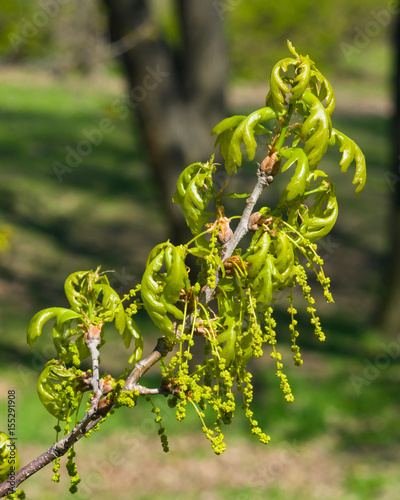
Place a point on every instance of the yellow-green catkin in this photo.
(293, 332)
(301, 278)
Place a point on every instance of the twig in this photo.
(101, 407)
(92, 340)
(263, 180)
(243, 227)
(160, 351)
(91, 418)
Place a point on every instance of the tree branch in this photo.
(91, 418)
(101, 407)
(92, 341)
(243, 227)
(263, 180)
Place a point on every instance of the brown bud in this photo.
(257, 220)
(225, 233)
(234, 262)
(270, 166)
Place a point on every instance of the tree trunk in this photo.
(177, 97)
(388, 314)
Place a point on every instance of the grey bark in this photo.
(176, 115)
(388, 313)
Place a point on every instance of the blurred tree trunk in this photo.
(177, 94)
(388, 316)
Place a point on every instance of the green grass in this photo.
(106, 212)
(96, 215)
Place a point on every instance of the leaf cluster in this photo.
(226, 312)
(93, 303)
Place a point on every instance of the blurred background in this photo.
(102, 104)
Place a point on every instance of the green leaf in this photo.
(299, 181)
(52, 394)
(324, 91)
(321, 216)
(259, 255)
(176, 273)
(283, 259)
(261, 286)
(224, 140)
(227, 124)
(152, 288)
(235, 130)
(235, 195)
(132, 331)
(228, 336)
(74, 297)
(245, 133)
(112, 302)
(194, 192)
(313, 176)
(315, 130)
(302, 78)
(278, 88)
(350, 152)
(40, 319)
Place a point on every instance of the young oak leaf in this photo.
(350, 151)
(241, 130)
(36, 324)
(278, 88)
(299, 181)
(194, 192)
(315, 129)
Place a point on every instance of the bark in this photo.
(186, 97)
(388, 314)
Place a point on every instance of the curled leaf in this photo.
(302, 78)
(278, 88)
(160, 291)
(245, 133)
(73, 295)
(132, 331)
(36, 324)
(323, 90)
(282, 259)
(299, 181)
(261, 285)
(176, 272)
(242, 130)
(350, 152)
(52, 392)
(194, 192)
(322, 215)
(112, 303)
(258, 257)
(229, 123)
(315, 129)
(228, 338)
